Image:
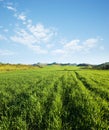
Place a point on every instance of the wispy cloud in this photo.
(21, 16)
(63, 41)
(6, 53)
(38, 49)
(23, 37)
(34, 36)
(58, 51)
(73, 45)
(41, 33)
(89, 43)
(38, 37)
(76, 46)
(9, 7)
(50, 45)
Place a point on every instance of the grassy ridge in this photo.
(9, 67)
(54, 98)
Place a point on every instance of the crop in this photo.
(54, 98)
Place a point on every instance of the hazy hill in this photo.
(102, 66)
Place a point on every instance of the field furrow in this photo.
(50, 99)
(103, 92)
(101, 102)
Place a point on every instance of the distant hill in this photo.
(54, 63)
(103, 66)
(84, 64)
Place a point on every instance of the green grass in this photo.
(54, 98)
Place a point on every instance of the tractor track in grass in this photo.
(52, 100)
(87, 105)
(98, 91)
(103, 103)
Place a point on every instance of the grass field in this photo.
(54, 98)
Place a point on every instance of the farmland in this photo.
(54, 98)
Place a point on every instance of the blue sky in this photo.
(62, 31)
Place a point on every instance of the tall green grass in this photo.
(54, 98)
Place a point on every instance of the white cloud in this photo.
(75, 46)
(38, 49)
(9, 7)
(34, 36)
(29, 22)
(41, 33)
(38, 38)
(72, 43)
(49, 46)
(28, 40)
(23, 37)
(6, 53)
(63, 41)
(89, 43)
(58, 51)
(21, 17)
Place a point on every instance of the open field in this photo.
(8, 67)
(54, 98)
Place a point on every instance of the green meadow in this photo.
(53, 98)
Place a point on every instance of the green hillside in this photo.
(104, 66)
